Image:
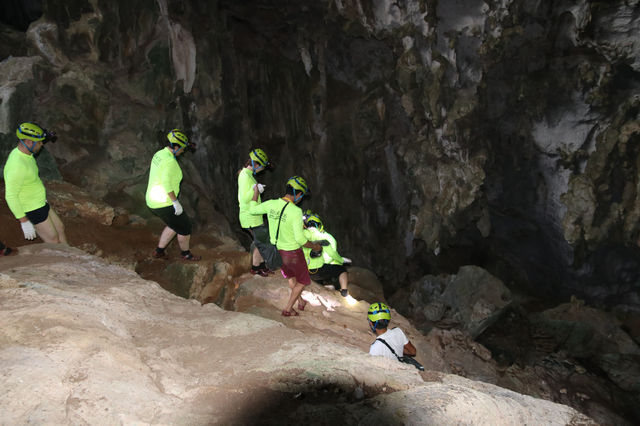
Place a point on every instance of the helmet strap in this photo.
(297, 198)
(373, 325)
(176, 151)
(25, 145)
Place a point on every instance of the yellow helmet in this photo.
(30, 131)
(178, 137)
(260, 157)
(298, 183)
(378, 311)
(315, 221)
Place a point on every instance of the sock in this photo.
(2, 246)
(185, 252)
(159, 250)
(262, 266)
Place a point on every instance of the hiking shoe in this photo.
(159, 254)
(344, 292)
(190, 257)
(8, 251)
(261, 272)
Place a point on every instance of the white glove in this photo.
(260, 186)
(28, 230)
(346, 260)
(177, 207)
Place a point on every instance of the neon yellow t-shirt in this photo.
(245, 194)
(291, 235)
(329, 254)
(24, 191)
(164, 177)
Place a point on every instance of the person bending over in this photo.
(24, 190)
(392, 344)
(328, 265)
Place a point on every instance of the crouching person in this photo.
(392, 344)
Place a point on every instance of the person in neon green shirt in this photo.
(162, 193)
(24, 190)
(328, 265)
(261, 249)
(286, 233)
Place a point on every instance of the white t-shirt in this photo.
(394, 338)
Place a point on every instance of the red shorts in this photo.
(295, 266)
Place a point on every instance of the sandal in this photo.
(301, 304)
(190, 257)
(290, 313)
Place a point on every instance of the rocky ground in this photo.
(87, 339)
(88, 342)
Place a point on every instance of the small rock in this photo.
(358, 393)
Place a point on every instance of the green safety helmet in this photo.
(315, 221)
(298, 183)
(259, 157)
(306, 214)
(378, 311)
(30, 131)
(178, 137)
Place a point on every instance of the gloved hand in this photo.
(260, 186)
(177, 207)
(28, 230)
(346, 260)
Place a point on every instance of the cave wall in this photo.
(433, 133)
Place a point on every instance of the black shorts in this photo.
(327, 272)
(38, 215)
(180, 224)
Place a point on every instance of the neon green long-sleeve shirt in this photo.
(245, 194)
(24, 190)
(164, 177)
(291, 235)
(329, 256)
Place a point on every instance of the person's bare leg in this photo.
(344, 280)
(296, 291)
(183, 242)
(166, 237)
(256, 257)
(47, 231)
(57, 223)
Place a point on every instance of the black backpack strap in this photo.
(387, 345)
(280, 220)
(406, 359)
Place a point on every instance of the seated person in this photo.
(392, 344)
(328, 265)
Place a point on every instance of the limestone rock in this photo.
(97, 344)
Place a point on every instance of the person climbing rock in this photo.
(286, 234)
(264, 256)
(163, 189)
(24, 191)
(328, 265)
(389, 343)
(7, 251)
